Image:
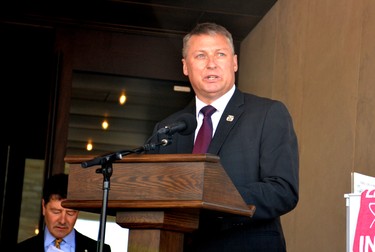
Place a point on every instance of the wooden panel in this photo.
(157, 181)
(148, 240)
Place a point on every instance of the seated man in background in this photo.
(59, 233)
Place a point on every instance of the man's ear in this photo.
(43, 207)
(235, 62)
(184, 68)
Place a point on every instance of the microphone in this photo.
(152, 146)
(185, 125)
(102, 160)
(118, 155)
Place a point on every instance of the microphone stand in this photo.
(106, 169)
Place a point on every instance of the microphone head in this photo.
(185, 125)
(190, 122)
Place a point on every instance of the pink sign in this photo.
(364, 239)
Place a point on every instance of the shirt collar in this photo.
(219, 104)
(49, 238)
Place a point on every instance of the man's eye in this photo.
(200, 56)
(71, 213)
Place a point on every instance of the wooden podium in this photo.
(158, 197)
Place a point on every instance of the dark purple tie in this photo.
(205, 132)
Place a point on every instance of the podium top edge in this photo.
(150, 158)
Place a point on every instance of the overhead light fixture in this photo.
(36, 230)
(122, 98)
(89, 146)
(181, 89)
(105, 124)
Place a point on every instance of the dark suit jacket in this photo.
(83, 244)
(258, 149)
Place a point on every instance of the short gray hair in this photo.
(208, 29)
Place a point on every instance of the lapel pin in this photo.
(230, 118)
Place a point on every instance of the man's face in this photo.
(210, 65)
(59, 221)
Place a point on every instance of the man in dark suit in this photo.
(254, 138)
(59, 223)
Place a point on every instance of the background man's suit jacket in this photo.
(83, 244)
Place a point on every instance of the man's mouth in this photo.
(212, 77)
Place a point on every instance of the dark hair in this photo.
(208, 29)
(56, 186)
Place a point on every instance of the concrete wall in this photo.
(318, 57)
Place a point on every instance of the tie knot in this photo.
(208, 110)
(57, 242)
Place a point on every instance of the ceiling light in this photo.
(122, 98)
(105, 124)
(89, 146)
(181, 89)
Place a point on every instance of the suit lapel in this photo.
(186, 143)
(230, 116)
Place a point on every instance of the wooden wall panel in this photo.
(319, 59)
(364, 159)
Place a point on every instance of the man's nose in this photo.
(211, 63)
(62, 218)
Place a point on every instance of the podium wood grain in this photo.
(157, 196)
